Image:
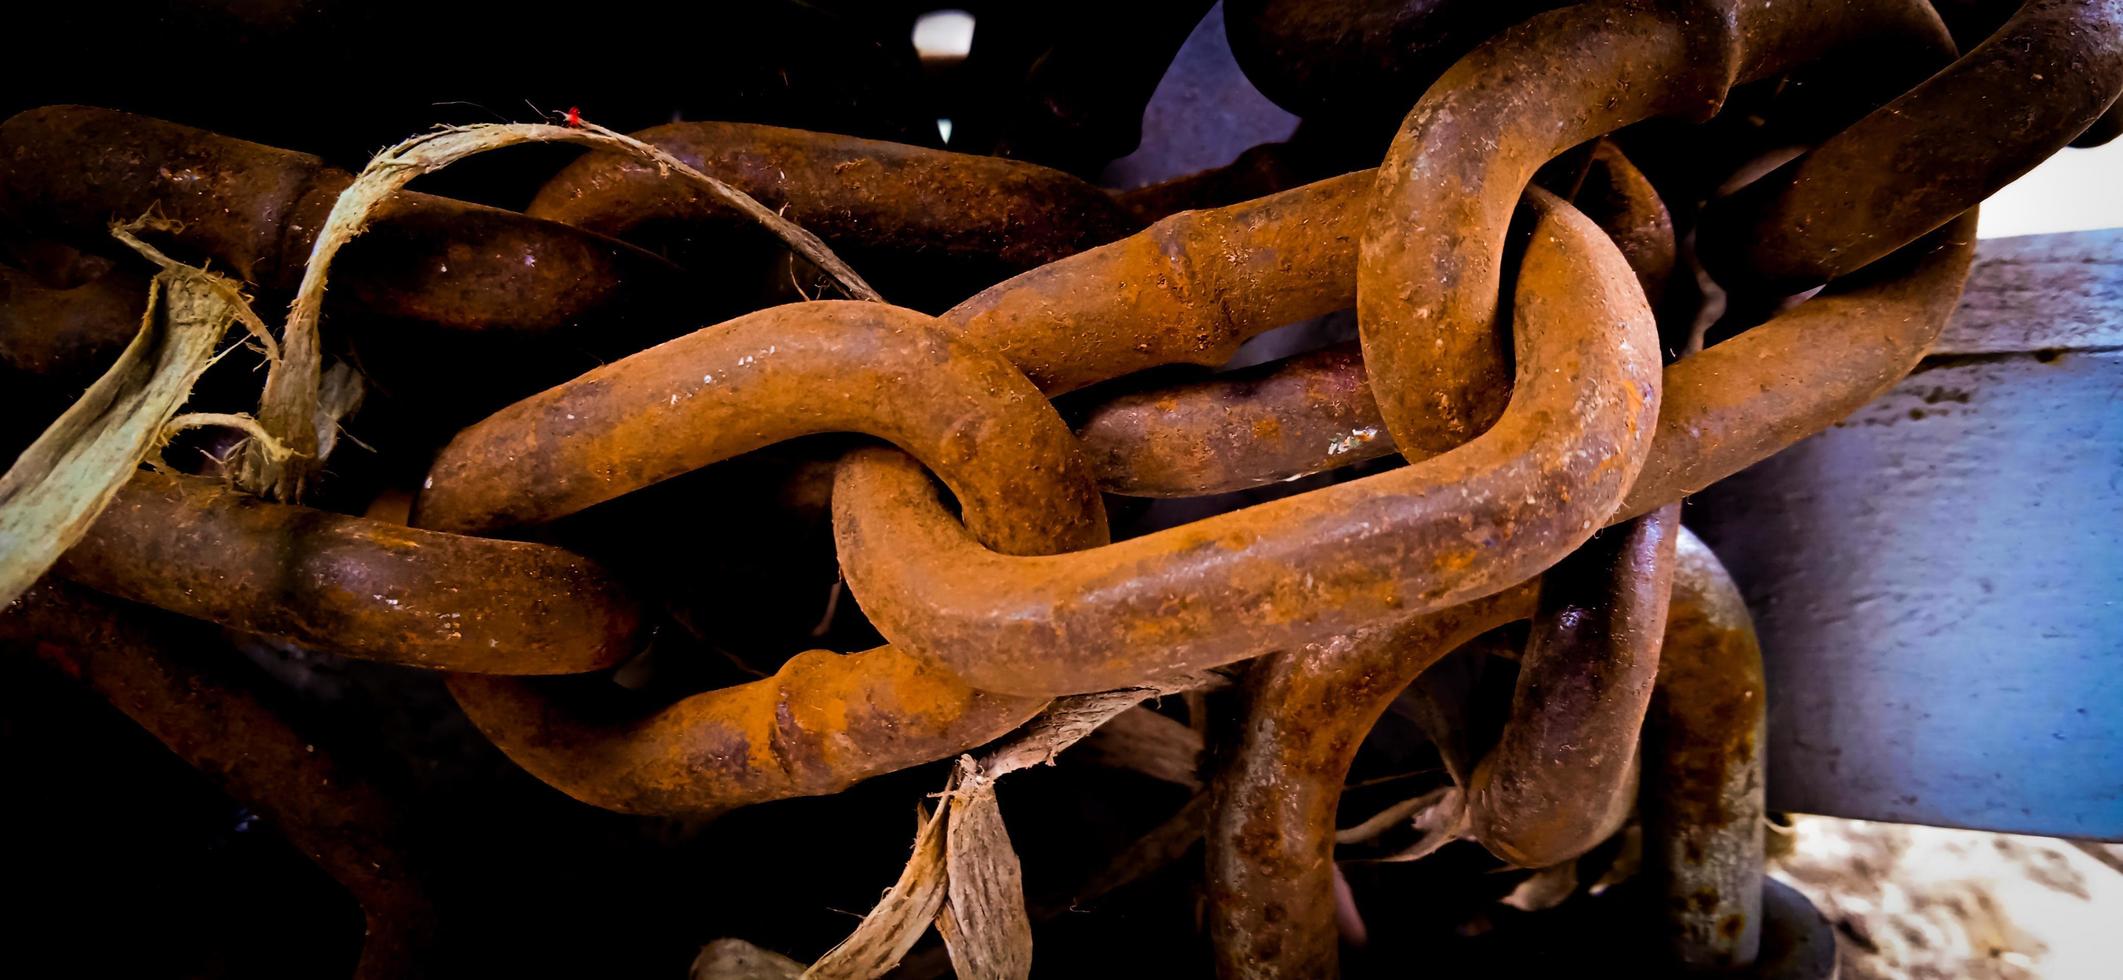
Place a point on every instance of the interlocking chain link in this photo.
(1508, 291)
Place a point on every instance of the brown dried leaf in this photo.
(983, 921)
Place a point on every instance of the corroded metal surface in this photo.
(167, 681)
(1311, 413)
(360, 587)
(1271, 838)
(69, 171)
(1814, 363)
(1509, 273)
(1187, 290)
(1734, 405)
(1704, 744)
(61, 334)
(1240, 584)
(982, 216)
(823, 721)
(1428, 308)
(1556, 782)
(766, 378)
(2046, 76)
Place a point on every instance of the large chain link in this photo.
(1508, 351)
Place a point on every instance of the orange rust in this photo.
(820, 724)
(783, 372)
(351, 585)
(68, 171)
(1556, 782)
(1187, 290)
(907, 215)
(823, 721)
(1586, 438)
(1722, 410)
(1297, 569)
(1427, 303)
(1309, 413)
(1307, 711)
(2033, 86)
(147, 666)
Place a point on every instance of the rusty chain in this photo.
(1510, 291)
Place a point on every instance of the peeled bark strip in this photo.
(983, 922)
(988, 933)
(55, 489)
(1149, 743)
(735, 959)
(883, 937)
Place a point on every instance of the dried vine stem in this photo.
(288, 409)
(239, 421)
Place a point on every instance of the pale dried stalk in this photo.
(883, 937)
(1392, 816)
(52, 494)
(735, 959)
(963, 852)
(1068, 720)
(1164, 844)
(289, 406)
(1442, 822)
(341, 395)
(983, 920)
(1546, 888)
(229, 420)
(1149, 743)
(984, 924)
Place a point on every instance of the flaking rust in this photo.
(67, 172)
(355, 586)
(1508, 266)
(1271, 837)
(823, 721)
(213, 717)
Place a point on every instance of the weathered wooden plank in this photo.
(2041, 292)
(1939, 579)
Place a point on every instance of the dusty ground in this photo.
(1924, 903)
